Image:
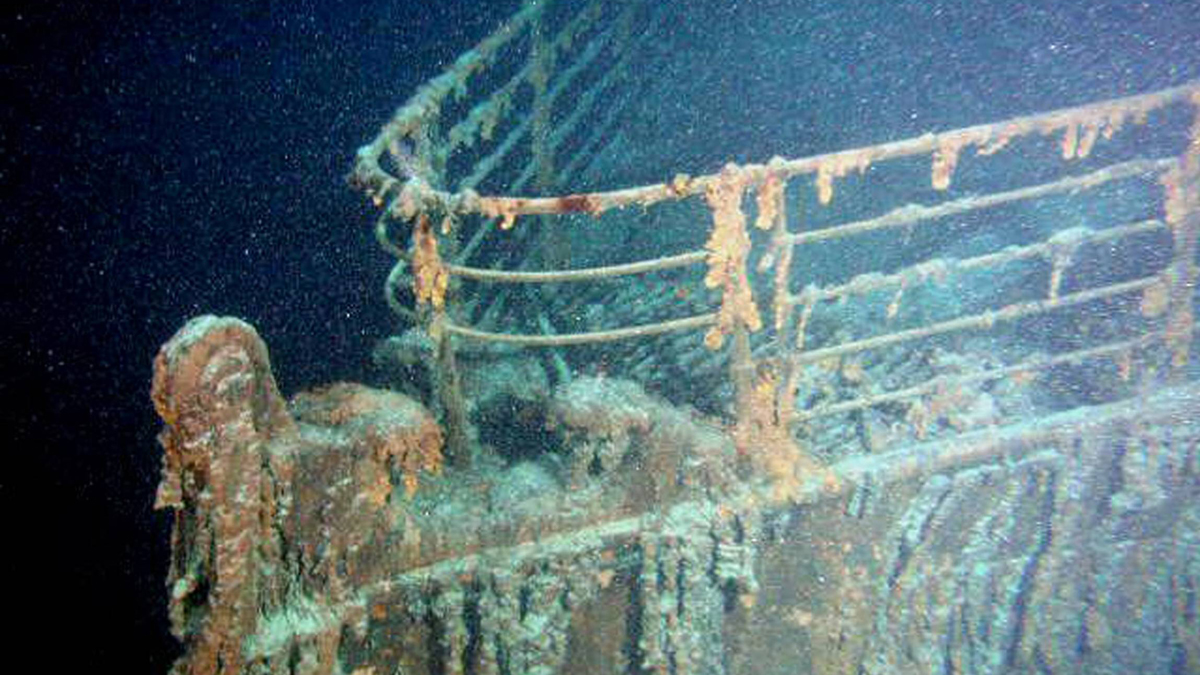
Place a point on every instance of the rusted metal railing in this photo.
(776, 283)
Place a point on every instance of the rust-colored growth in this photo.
(729, 248)
(680, 185)
(413, 200)
(782, 304)
(207, 363)
(1182, 208)
(1080, 132)
(1182, 198)
(770, 201)
(579, 204)
(997, 139)
(397, 430)
(1155, 299)
(1176, 203)
(1091, 131)
(1079, 137)
(1070, 140)
(763, 435)
(945, 159)
(772, 215)
(217, 398)
(838, 166)
(430, 276)
(500, 207)
(1124, 361)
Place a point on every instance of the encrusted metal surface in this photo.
(894, 450)
(640, 541)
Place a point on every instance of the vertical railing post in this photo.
(773, 216)
(728, 252)
(742, 372)
(449, 388)
(431, 280)
(541, 60)
(1182, 207)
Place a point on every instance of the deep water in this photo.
(161, 159)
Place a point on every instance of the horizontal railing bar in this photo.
(569, 339)
(866, 283)
(597, 202)
(985, 320)
(913, 213)
(588, 274)
(1028, 365)
(1047, 247)
(1010, 443)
